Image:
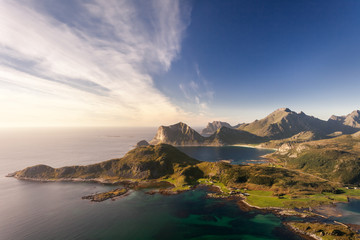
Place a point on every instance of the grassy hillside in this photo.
(336, 159)
(142, 163)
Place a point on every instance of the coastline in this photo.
(225, 145)
(252, 146)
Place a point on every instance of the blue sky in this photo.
(146, 63)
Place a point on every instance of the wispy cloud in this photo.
(91, 69)
(198, 92)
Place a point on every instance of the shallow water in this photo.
(350, 211)
(33, 210)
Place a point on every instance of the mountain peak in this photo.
(177, 134)
(284, 123)
(214, 126)
(355, 113)
(283, 110)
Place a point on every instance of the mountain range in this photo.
(280, 124)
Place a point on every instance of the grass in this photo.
(351, 192)
(220, 185)
(267, 199)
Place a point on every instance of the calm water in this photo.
(237, 155)
(350, 211)
(32, 210)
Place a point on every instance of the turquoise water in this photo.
(33, 210)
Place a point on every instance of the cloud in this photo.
(198, 92)
(93, 68)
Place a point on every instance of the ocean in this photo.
(55, 210)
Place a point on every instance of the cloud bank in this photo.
(88, 63)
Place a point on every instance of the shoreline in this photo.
(251, 146)
(220, 145)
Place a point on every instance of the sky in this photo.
(158, 62)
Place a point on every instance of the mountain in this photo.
(352, 119)
(284, 123)
(229, 136)
(212, 127)
(177, 134)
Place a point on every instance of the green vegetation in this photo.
(270, 199)
(336, 159)
(325, 231)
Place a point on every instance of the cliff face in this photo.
(177, 134)
(212, 127)
(352, 119)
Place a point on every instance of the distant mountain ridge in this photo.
(280, 124)
(181, 134)
(212, 127)
(352, 119)
(284, 123)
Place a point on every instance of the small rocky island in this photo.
(99, 197)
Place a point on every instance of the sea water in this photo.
(55, 210)
(350, 212)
